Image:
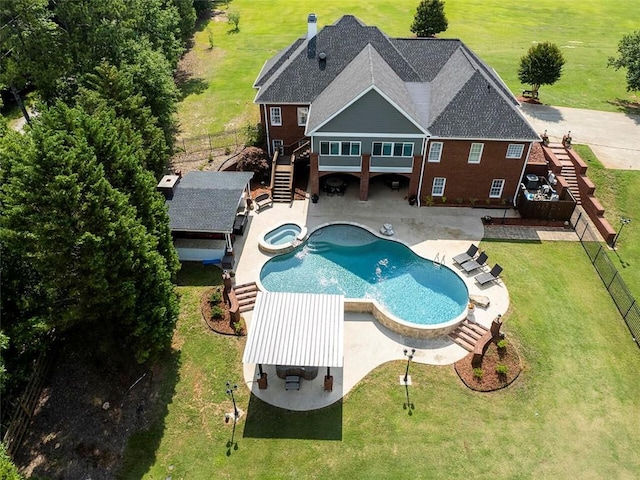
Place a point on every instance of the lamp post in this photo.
(230, 390)
(623, 222)
(409, 358)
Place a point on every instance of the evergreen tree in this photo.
(96, 267)
(542, 65)
(430, 18)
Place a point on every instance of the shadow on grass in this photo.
(266, 421)
(191, 86)
(627, 107)
(142, 446)
(195, 274)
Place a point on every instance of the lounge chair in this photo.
(472, 265)
(263, 200)
(466, 256)
(491, 276)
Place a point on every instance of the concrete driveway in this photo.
(613, 137)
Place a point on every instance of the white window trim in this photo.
(303, 111)
(278, 146)
(471, 152)
(493, 183)
(339, 154)
(431, 146)
(514, 146)
(433, 187)
(273, 116)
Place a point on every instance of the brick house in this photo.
(426, 109)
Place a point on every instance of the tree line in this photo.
(85, 245)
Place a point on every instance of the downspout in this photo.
(266, 128)
(526, 160)
(424, 151)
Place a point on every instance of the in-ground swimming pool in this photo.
(350, 260)
(281, 238)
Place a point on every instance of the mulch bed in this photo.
(490, 380)
(219, 325)
(526, 222)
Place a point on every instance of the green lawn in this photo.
(220, 96)
(573, 413)
(617, 190)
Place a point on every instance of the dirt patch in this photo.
(491, 380)
(532, 101)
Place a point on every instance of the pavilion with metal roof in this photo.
(296, 329)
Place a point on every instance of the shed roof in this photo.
(301, 329)
(207, 201)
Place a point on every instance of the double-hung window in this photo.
(475, 152)
(278, 146)
(392, 149)
(275, 114)
(515, 150)
(437, 190)
(435, 152)
(345, 149)
(303, 113)
(496, 188)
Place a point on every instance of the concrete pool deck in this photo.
(429, 231)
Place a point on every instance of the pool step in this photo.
(467, 334)
(246, 295)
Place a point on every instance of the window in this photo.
(475, 152)
(303, 113)
(276, 116)
(438, 186)
(390, 149)
(435, 152)
(496, 188)
(345, 149)
(278, 146)
(515, 150)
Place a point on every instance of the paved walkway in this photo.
(613, 137)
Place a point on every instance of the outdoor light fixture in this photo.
(409, 358)
(623, 222)
(230, 391)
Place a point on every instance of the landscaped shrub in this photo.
(502, 344)
(477, 373)
(502, 370)
(254, 159)
(217, 312)
(215, 298)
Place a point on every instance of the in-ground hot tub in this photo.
(283, 238)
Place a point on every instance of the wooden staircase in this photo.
(467, 334)
(283, 180)
(568, 170)
(246, 295)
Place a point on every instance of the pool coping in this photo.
(382, 316)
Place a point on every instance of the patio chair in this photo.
(472, 265)
(263, 200)
(466, 256)
(491, 276)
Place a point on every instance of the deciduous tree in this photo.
(542, 65)
(629, 58)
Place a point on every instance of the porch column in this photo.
(414, 181)
(314, 180)
(364, 177)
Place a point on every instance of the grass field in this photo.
(219, 95)
(571, 414)
(617, 190)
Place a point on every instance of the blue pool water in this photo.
(284, 234)
(349, 260)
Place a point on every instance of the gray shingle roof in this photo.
(439, 83)
(207, 201)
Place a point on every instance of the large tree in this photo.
(629, 58)
(542, 65)
(92, 266)
(429, 19)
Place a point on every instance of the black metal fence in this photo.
(229, 140)
(617, 288)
